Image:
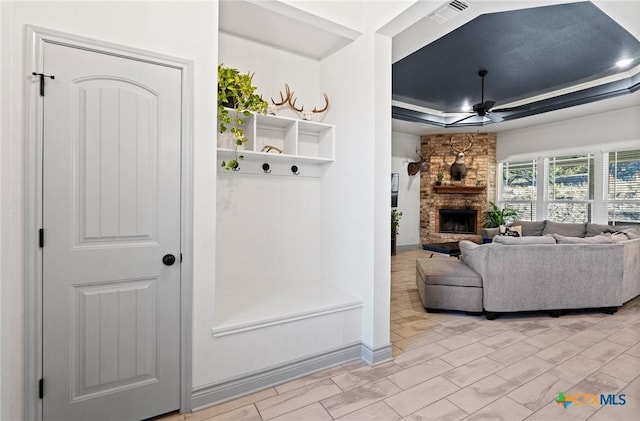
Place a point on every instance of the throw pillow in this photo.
(598, 239)
(520, 241)
(517, 229)
(631, 233)
(595, 229)
(565, 229)
(530, 227)
(618, 236)
(473, 254)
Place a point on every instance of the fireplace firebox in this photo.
(458, 221)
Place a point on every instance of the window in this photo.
(622, 187)
(573, 190)
(519, 188)
(570, 188)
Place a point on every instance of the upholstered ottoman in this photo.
(448, 284)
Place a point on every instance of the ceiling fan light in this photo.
(624, 63)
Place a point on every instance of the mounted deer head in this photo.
(414, 167)
(458, 169)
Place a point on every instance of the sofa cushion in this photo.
(598, 239)
(595, 229)
(452, 272)
(520, 241)
(531, 227)
(473, 254)
(565, 229)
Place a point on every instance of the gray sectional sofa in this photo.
(553, 267)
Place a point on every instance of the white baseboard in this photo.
(208, 395)
(408, 247)
(376, 356)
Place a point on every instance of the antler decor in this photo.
(290, 100)
(283, 100)
(326, 104)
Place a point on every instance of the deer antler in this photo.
(292, 104)
(453, 148)
(470, 137)
(283, 100)
(326, 104)
(465, 149)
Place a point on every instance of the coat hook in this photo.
(294, 170)
(266, 168)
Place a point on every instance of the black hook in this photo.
(294, 170)
(42, 76)
(266, 168)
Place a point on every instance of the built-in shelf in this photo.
(459, 189)
(297, 141)
(246, 309)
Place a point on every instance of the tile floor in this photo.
(451, 366)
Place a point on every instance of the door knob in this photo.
(169, 259)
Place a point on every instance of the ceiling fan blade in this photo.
(462, 119)
(495, 118)
(512, 109)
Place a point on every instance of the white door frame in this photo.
(33, 111)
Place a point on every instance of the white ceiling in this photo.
(283, 26)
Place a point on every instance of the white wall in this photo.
(183, 29)
(273, 68)
(355, 230)
(404, 151)
(274, 222)
(618, 129)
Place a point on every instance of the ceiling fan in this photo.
(483, 108)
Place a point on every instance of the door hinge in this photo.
(41, 388)
(41, 237)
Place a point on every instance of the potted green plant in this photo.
(395, 222)
(439, 177)
(495, 216)
(237, 98)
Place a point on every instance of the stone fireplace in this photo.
(453, 211)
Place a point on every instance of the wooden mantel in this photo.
(459, 189)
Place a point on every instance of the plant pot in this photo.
(438, 183)
(393, 245)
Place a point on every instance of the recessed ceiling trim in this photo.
(616, 88)
(576, 88)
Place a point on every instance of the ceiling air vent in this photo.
(449, 10)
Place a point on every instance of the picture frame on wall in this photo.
(395, 184)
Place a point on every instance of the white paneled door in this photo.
(111, 219)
